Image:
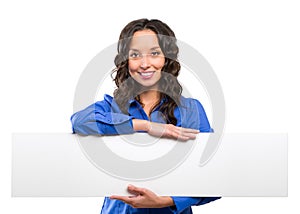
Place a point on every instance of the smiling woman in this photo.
(147, 52)
(145, 59)
(148, 99)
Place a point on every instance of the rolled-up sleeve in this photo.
(98, 119)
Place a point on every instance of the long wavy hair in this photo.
(168, 85)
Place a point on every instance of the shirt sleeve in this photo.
(204, 125)
(183, 203)
(100, 119)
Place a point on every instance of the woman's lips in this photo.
(146, 75)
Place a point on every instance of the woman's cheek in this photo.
(133, 66)
(159, 63)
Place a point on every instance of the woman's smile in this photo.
(146, 74)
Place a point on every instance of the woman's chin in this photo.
(151, 86)
(148, 84)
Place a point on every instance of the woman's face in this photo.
(146, 59)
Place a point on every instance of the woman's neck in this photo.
(150, 97)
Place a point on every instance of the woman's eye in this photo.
(134, 55)
(155, 53)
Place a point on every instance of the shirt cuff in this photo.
(182, 203)
(117, 128)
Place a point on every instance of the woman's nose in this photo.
(145, 63)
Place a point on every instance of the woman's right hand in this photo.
(164, 130)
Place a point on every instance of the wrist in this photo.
(141, 125)
(166, 201)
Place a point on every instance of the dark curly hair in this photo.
(169, 87)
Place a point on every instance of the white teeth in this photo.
(146, 74)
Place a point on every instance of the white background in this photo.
(253, 46)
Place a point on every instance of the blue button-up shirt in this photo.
(105, 118)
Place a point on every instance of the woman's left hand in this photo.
(144, 198)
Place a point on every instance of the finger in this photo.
(125, 199)
(179, 137)
(188, 130)
(182, 134)
(189, 135)
(136, 190)
(135, 193)
(182, 138)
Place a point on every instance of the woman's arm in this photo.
(164, 130)
(99, 119)
(144, 198)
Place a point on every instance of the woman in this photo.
(147, 99)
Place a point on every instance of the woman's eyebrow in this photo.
(134, 49)
(156, 47)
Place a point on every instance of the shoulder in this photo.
(192, 114)
(191, 106)
(195, 114)
(107, 99)
(106, 103)
(190, 103)
(109, 104)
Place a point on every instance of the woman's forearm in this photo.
(140, 125)
(164, 130)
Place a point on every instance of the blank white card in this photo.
(71, 165)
